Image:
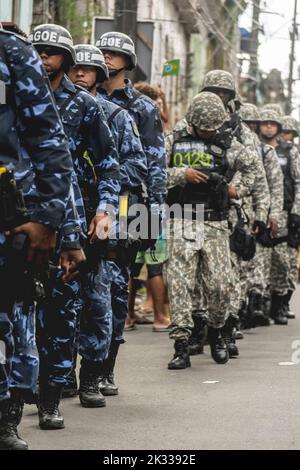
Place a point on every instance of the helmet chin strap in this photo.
(267, 137)
(115, 72)
(53, 75)
(91, 87)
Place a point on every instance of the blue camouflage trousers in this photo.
(19, 362)
(119, 298)
(96, 318)
(57, 319)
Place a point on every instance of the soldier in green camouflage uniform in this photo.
(192, 253)
(284, 256)
(222, 83)
(256, 208)
(270, 127)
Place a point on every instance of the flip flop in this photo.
(142, 320)
(165, 329)
(131, 327)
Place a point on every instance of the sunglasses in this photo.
(49, 50)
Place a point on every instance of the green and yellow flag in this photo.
(172, 67)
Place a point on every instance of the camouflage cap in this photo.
(274, 107)
(206, 112)
(290, 124)
(249, 112)
(219, 79)
(267, 115)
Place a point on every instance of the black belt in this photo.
(213, 216)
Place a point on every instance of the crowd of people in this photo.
(80, 147)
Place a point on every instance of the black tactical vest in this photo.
(189, 152)
(9, 140)
(283, 153)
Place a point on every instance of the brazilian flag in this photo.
(172, 67)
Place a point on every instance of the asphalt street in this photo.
(253, 402)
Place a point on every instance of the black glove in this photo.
(218, 186)
(264, 235)
(262, 227)
(294, 221)
(294, 231)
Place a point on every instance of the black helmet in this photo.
(55, 36)
(91, 56)
(119, 42)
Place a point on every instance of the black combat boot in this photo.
(218, 348)
(197, 338)
(10, 417)
(267, 311)
(107, 385)
(255, 310)
(89, 392)
(228, 336)
(278, 312)
(49, 414)
(71, 388)
(238, 334)
(181, 359)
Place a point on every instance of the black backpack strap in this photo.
(132, 100)
(265, 152)
(68, 101)
(113, 115)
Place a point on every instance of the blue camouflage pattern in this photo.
(147, 118)
(96, 319)
(132, 159)
(87, 130)
(57, 320)
(44, 169)
(45, 164)
(133, 172)
(89, 135)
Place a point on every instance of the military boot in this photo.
(71, 388)
(218, 348)
(238, 334)
(267, 310)
(255, 309)
(89, 392)
(197, 338)
(10, 417)
(278, 312)
(228, 336)
(181, 359)
(107, 385)
(49, 414)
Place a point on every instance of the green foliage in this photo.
(76, 16)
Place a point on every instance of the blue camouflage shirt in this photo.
(146, 115)
(132, 159)
(88, 133)
(32, 129)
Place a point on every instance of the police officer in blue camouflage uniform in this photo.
(88, 72)
(119, 54)
(33, 141)
(96, 163)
